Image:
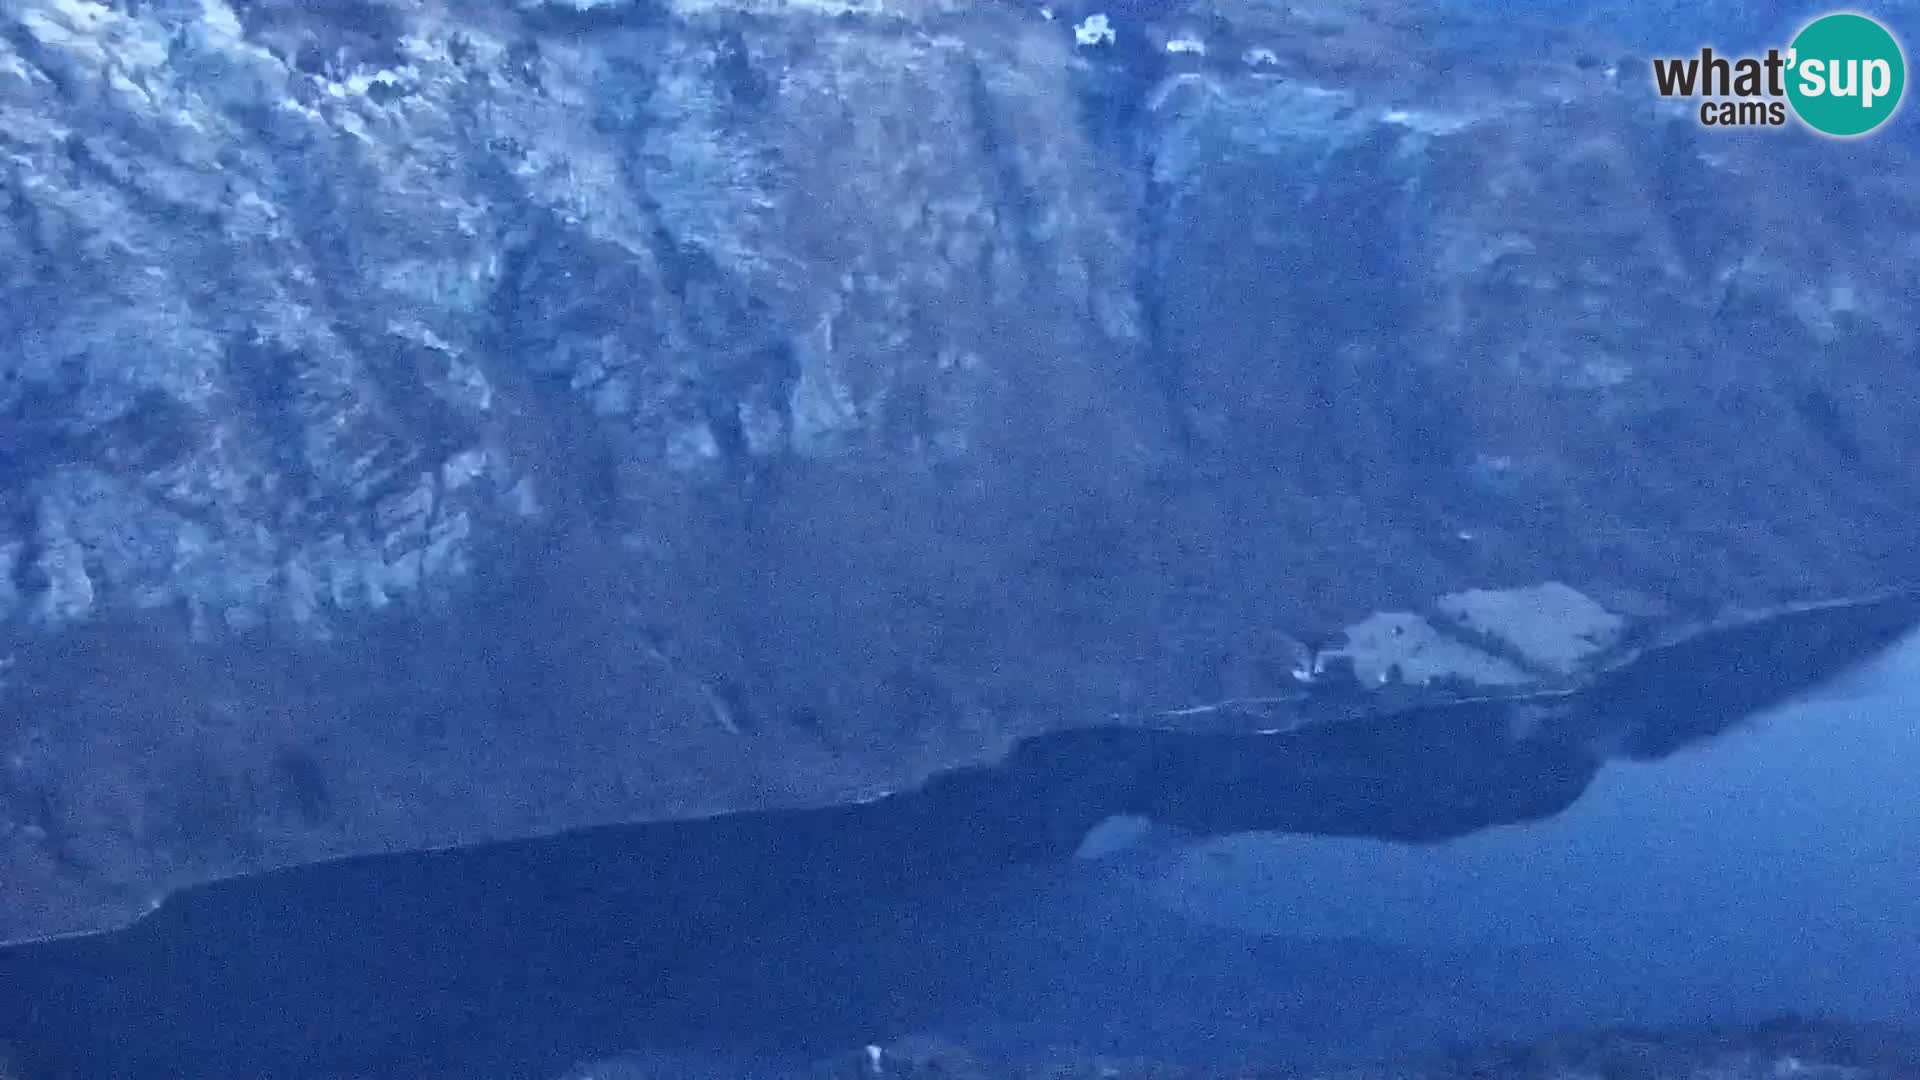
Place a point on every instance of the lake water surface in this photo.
(1777, 868)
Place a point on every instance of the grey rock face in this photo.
(422, 423)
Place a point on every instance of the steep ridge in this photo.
(430, 424)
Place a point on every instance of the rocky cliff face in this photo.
(426, 422)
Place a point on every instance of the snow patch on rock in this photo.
(1095, 29)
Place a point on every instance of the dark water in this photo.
(1776, 868)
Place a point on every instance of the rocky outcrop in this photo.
(426, 423)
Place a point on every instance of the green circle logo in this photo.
(1845, 74)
